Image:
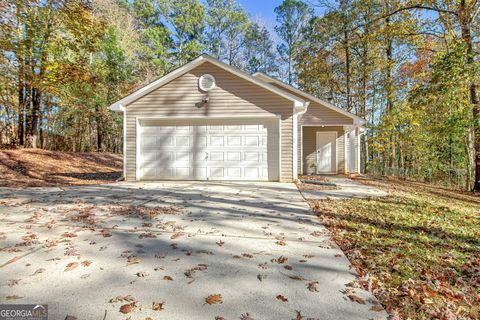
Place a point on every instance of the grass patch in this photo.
(418, 250)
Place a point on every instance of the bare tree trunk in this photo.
(33, 117)
(40, 130)
(389, 83)
(347, 68)
(99, 130)
(465, 24)
(21, 120)
(21, 77)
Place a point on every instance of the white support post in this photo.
(345, 150)
(358, 150)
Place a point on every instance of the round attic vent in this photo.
(206, 82)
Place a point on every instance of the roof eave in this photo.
(356, 119)
(116, 107)
(119, 106)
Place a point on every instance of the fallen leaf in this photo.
(263, 265)
(52, 243)
(158, 306)
(356, 299)
(282, 298)
(214, 299)
(13, 260)
(133, 260)
(288, 267)
(247, 255)
(312, 286)
(69, 235)
(260, 277)
(377, 308)
(282, 259)
(176, 235)
(14, 297)
(205, 252)
(168, 278)
(299, 315)
(141, 274)
(126, 308)
(40, 270)
(13, 282)
(116, 299)
(71, 266)
(220, 243)
(296, 278)
(86, 263)
(70, 318)
(246, 317)
(105, 233)
(219, 318)
(281, 243)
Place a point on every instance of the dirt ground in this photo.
(42, 168)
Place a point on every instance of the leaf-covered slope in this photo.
(417, 250)
(36, 168)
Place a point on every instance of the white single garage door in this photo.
(208, 150)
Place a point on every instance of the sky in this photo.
(262, 8)
(262, 11)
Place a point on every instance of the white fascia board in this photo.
(356, 119)
(120, 105)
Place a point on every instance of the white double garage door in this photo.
(243, 149)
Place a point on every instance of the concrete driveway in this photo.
(167, 250)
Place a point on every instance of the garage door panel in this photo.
(182, 141)
(234, 141)
(216, 140)
(252, 172)
(200, 173)
(216, 156)
(251, 141)
(218, 150)
(251, 156)
(234, 156)
(200, 141)
(217, 172)
(182, 156)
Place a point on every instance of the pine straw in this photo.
(418, 249)
(42, 168)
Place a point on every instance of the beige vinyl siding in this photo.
(310, 148)
(232, 97)
(313, 115)
(318, 115)
(321, 115)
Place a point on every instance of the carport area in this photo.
(175, 250)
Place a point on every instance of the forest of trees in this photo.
(410, 68)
